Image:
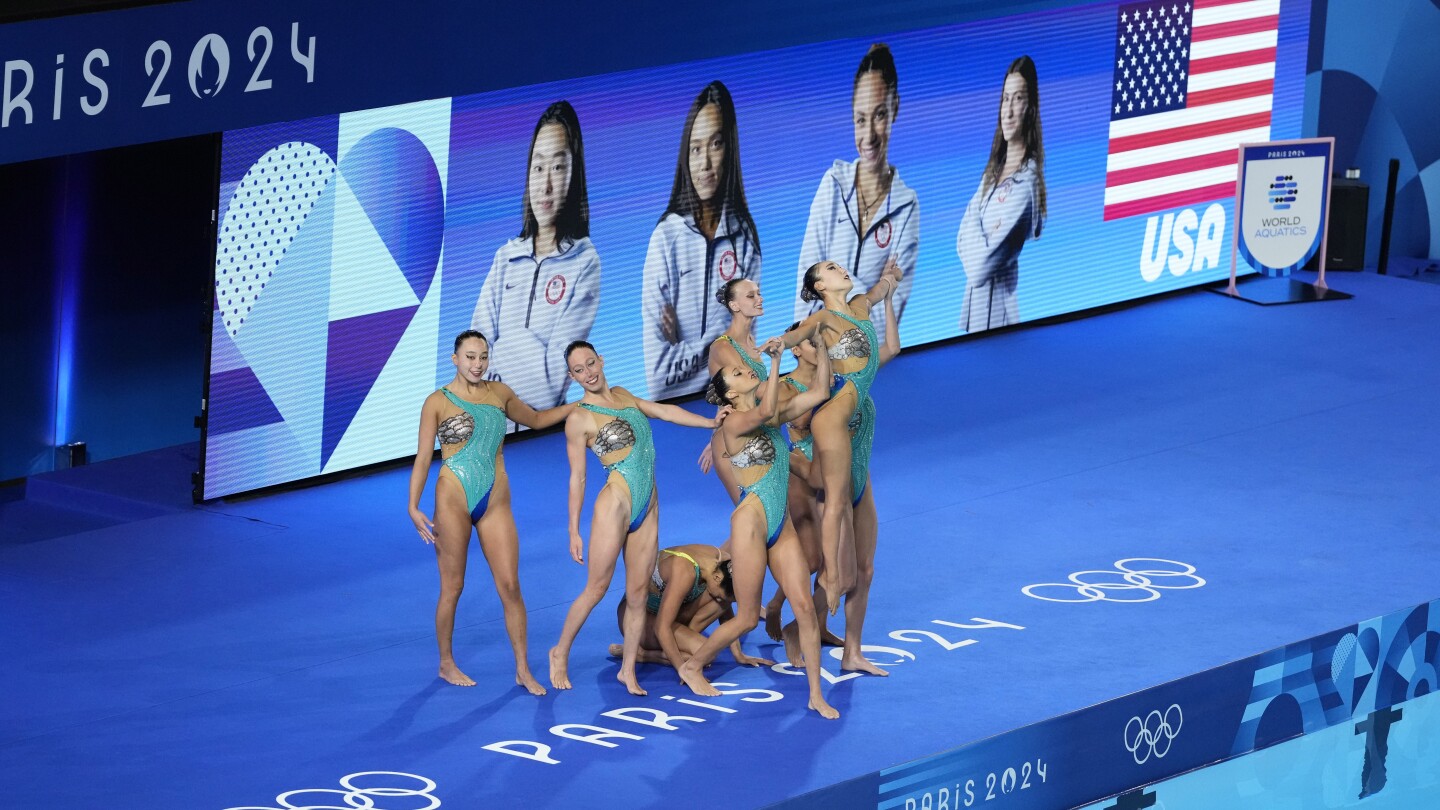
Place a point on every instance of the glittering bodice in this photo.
(760, 449)
(613, 436)
(457, 429)
(852, 343)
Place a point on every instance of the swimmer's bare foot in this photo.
(452, 674)
(693, 678)
(824, 709)
(792, 645)
(616, 650)
(559, 669)
(525, 679)
(859, 663)
(829, 639)
(631, 684)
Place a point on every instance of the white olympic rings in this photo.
(1153, 735)
(1125, 579)
(356, 797)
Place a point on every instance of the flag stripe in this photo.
(1202, 5)
(1226, 78)
(1164, 201)
(1174, 184)
(1185, 149)
(1235, 28)
(1233, 60)
(1179, 118)
(1151, 171)
(1185, 133)
(1229, 45)
(1231, 93)
(1211, 15)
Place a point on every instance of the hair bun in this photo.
(712, 395)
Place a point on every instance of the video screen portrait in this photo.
(1011, 169)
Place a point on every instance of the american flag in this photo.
(1192, 81)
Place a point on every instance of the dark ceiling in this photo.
(16, 10)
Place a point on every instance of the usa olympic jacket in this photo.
(832, 234)
(683, 270)
(531, 309)
(994, 228)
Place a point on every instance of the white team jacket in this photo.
(832, 234)
(684, 270)
(992, 232)
(531, 309)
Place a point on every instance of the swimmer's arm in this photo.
(805, 331)
(817, 393)
(891, 346)
(420, 470)
(520, 411)
(575, 442)
(679, 578)
(678, 415)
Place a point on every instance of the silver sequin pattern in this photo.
(851, 344)
(612, 436)
(457, 429)
(759, 450)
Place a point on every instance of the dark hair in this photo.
(683, 200)
(466, 335)
(879, 60)
(577, 344)
(727, 578)
(807, 287)
(717, 389)
(726, 293)
(573, 220)
(1034, 143)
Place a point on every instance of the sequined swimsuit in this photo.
(652, 600)
(757, 365)
(859, 341)
(631, 429)
(773, 486)
(478, 428)
(805, 445)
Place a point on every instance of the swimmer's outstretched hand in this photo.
(706, 460)
(577, 548)
(720, 418)
(773, 347)
(423, 525)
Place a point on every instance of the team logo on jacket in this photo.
(555, 289)
(883, 234)
(727, 265)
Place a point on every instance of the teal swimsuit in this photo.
(758, 365)
(807, 444)
(630, 429)
(652, 600)
(481, 428)
(773, 486)
(859, 342)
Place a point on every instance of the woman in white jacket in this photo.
(705, 238)
(863, 215)
(1008, 208)
(544, 285)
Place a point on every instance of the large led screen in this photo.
(1013, 169)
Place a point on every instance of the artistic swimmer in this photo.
(468, 416)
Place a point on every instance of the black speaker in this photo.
(1349, 208)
